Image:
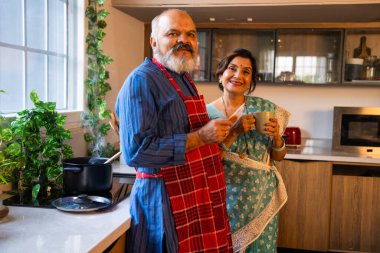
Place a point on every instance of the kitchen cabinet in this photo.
(355, 208)
(296, 56)
(308, 56)
(304, 220)
(332, 206)
(259, 42)
(219, 2)
(118, 246)
(362, 56)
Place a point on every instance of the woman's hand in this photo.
(272, 129)
(243, 124)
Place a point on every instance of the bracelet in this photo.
(281, 148)
(224, 147)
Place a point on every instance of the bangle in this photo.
(224, 147)
(281, 148)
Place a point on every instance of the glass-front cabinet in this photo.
(306, 56)
(259, 42)
(362, 56)
(202, 67)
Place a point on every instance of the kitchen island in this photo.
(31, 229)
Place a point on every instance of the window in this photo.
(41, 48)
(283, 64)
(311, 69)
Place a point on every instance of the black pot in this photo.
(87, 175)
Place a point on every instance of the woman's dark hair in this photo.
(239, 52)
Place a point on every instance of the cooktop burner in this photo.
(121, 188)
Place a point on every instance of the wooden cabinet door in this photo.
(305, 218)
(355, 213)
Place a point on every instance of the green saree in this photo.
(255, 190)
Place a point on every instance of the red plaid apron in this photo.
(197, 189)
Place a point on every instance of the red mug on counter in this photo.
(292, 136)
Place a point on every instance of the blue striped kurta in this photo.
(153, 127)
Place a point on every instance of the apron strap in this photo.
(148, 175)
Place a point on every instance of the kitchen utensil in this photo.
(81, 203)
(113, 157)
(81, 176)
(354, 69)
(362, 51)
(287, 76)
(261, 118)
(292, 136)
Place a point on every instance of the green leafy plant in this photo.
(6, 169)
(34, 148)
(93, 119)
(1, 117)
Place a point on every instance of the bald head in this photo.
(168, 14)
(174, 40)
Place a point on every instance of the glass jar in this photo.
(330, 67)
(369, 67)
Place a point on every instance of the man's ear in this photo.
(153, 42)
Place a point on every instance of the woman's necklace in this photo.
(225, 107)
(244, 152)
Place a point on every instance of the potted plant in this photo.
(93, 119)
(33, 148)
(6, 170)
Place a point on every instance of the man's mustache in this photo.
(180, 45)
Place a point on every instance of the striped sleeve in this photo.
(143, 141)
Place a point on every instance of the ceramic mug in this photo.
(261, 118)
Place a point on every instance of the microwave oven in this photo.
(357, 130)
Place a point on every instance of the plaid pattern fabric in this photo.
(197, 189)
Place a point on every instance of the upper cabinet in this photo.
(362, 56)
(304, 56)
(310, 56)
(259, 42)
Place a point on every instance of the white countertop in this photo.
(320, 150)
(31, 229)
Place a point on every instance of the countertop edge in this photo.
(331, 158)
(107, 241)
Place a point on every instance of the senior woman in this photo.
(255, 190)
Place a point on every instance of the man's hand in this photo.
(114, 122)
(215, 131)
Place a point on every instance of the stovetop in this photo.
(121, 188)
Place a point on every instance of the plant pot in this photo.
(86, 175)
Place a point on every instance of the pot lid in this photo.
(81, 203)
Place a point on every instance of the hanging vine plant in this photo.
(93, 119)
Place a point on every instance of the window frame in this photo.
(75, 65)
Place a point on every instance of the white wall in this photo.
(124, 43)
(311, 107)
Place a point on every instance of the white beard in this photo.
(177, 64)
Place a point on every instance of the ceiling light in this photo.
(249, 19)
(212, 19)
